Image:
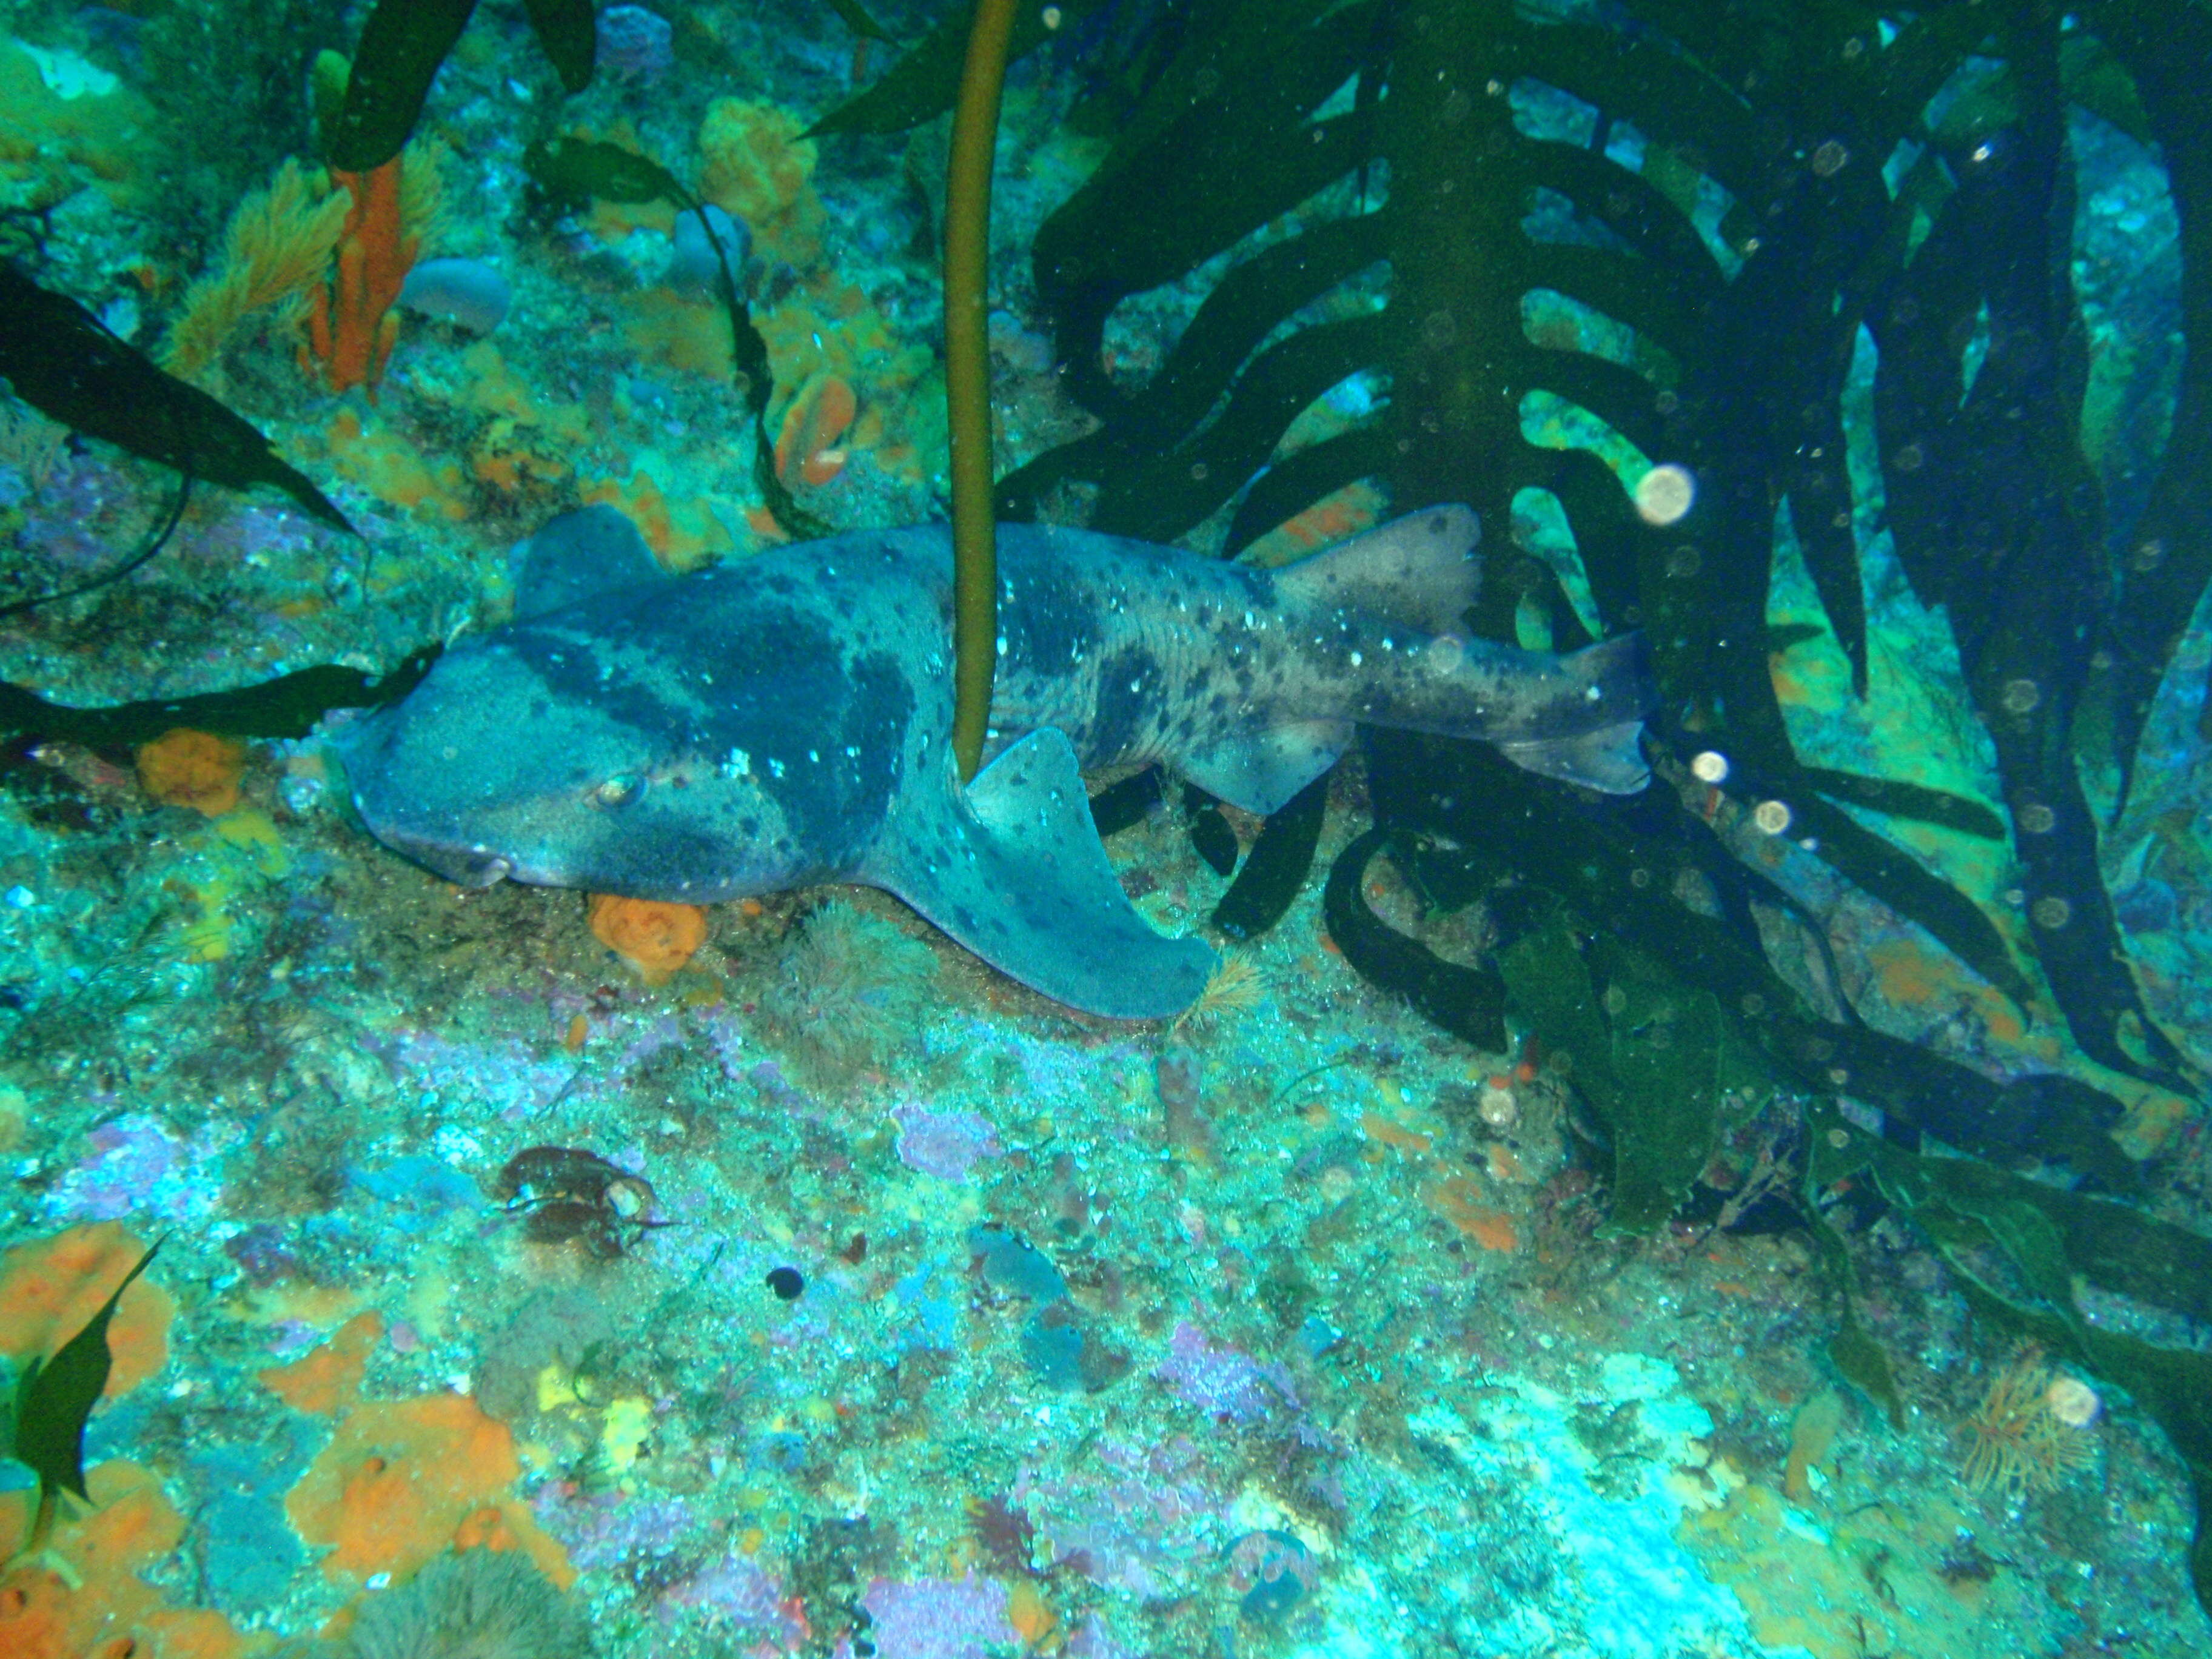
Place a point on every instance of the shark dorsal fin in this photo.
(1018, 875)
(1421, 570)
(580, 556)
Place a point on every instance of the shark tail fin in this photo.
(1609, 760)
(1421, 570)
(1607, 755)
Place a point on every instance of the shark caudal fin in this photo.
(1609, 760)
(1421, 570)
(1607, 755)
(1017, 874)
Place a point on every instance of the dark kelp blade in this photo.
(286, 707)
(402, 45)
(571, 171)
(857, 20)
(569, 32)
(56, 1398)
(64, 363)
(924, 83)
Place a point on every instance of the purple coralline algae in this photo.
(939, 1619)
(636, 45)
(137, 1167)
(612, 1530)
(743, 1598)
(1141, 1520)
(947, 1145)
(1221, 1381)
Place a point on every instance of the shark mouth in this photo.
(464, 867)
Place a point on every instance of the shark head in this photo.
(560, 755)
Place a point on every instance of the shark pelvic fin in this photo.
(1421, 570)
(1260, 771)
(1019, 876)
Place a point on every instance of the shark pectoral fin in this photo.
(1262, 771)
(1020, 878)
(1609, 760)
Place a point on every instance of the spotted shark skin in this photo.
(783, 721)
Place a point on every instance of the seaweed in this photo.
(2053, 1241)
(65, 363)
(1277, 867)
(1469, 1002)
(54, 1399)
(926, 82)
(286, 707)
(1755, 205)
(402, 46)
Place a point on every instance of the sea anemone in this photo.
(480, 1604)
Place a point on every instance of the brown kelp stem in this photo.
(968, 377)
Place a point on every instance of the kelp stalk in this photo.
(968, 378)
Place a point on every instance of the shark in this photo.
(782, 720)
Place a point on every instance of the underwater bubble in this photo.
(2020, 696)
(1049, 17)
(2038, 820)
(2052, 912)
(1684, 563)
(1711, 767)
(1664, 493)
(1445, 652)
(1909, 458)
(1438, 330)
(1771, 816)
(1615, 1000)
(2147, 557)
(1829, 159)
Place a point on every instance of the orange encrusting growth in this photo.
(1456, 1198)
(111, 1612)
(398, 1480)
(352, 327)
(185, 767)
(51, 1288)
(653, 937)
(327, 1379)
(805, 450)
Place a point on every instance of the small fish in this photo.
(782, 720)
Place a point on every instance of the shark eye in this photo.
(620, 790)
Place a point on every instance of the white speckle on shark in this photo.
(622, 733)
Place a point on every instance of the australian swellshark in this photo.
(782, 720)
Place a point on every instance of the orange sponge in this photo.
(185, 767)
(327, 1378)
(398, 1479)
(654, 937)
(110, 1611)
